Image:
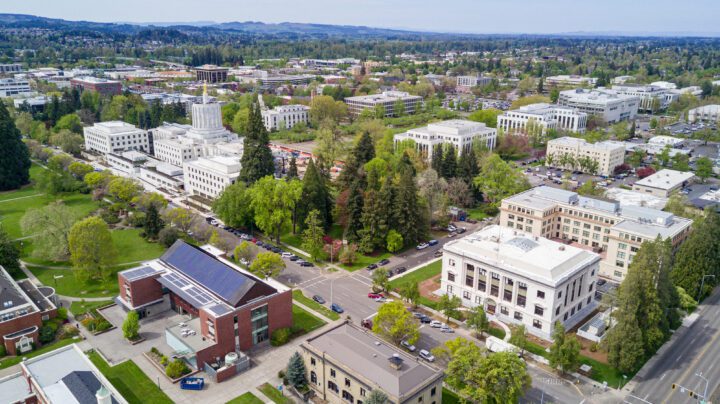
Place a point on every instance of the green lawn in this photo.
(300, 297)
(497, 332)
(304, 320)
(274, 394)
(448, 397)
(419, 275)
(79, 308)
(476, 213)
(131, 382)
(6, 362)
(247, 398)
(131, 247)
(68, 286)
(11, 211)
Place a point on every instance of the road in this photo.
(692, 350)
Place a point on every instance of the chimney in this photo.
(396, 362)
(103, 396)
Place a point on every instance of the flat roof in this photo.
(369, 357)
(11, 295)
(518, 252)
(14, 388)
(665, 179)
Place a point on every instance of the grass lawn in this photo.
(131, 247)
(300, 297)
(79, 308)
(8, 361)
(304, 320)
(130, 381)
(448, 397)
(476, 213)
(68, 286)
(497, 333)
(365, 260)
(247, 398)
(419, 275)
(11, 211)
(274, 394)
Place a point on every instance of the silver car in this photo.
(426, 355)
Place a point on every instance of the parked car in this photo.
(417, 314)
(286, 255)
(336, 308)
(422, 246)
(426, 355)
(452, 234)
(319, 299)
(451, 227)
(446, 328)
(425, 319)
(244, 261)
(374, 295)
(461, 230)
(436, 324)
(294, 258)
(384, 261)
(410, 347)
(399, 270)
(371, 267)
(438, 253)
(472, 221)
(432, 242)
(276, 250)
(367, 323)
(306, 264)
(259, 243)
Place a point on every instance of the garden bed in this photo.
(162, 362)
(95, 322)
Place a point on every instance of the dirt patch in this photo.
(599, 355)
(428, 286)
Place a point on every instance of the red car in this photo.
(375, 295)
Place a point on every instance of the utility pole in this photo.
(702, 283)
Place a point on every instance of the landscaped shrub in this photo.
(47, 334)
(69, 331)
(155, 351)
(168, 236)
(163, 360)
(3, 352)
(137, 219)
(102, 325)
(88, 322)
(176, 369)
(594, 347)
(280, 336)
(62, 313)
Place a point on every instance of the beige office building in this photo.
(607, 154)
(613, 230)
(663, 183)
(356, 105)
(345, 363)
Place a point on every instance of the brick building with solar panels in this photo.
(232, 310)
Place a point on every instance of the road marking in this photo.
(678, 358)
(711, 366)
(662, 377)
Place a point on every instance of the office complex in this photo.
(10, 68)
(207, 177)
(613, 230)
(606, 155)
(466, 83)
(706, 113)
(565, 80)
(610, 105)
(102, 86)
(345, 363)
(285, 116)
(115, 137)
(663, 183)
(15, 88)
(459, 133)
(541, 117)
(521, 278)
(652, 97)
(388, 99)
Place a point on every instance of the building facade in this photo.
(285, 116)
(464, 84)
(565, 80)
(544, 117)
(652, 97)
(15, 88)
(209, 176)
(102, 86)
(663, 183)
(388, 99)
(211, 74)
(607, 155)
(10, 68)
(115, 137)
(595, 224)
(706, 113)
(521, 278)
(231, 309)
(459, 133)
(346, 363)
(610, 105)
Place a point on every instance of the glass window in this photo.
(539, 310)
(537, 324)
(541, 294)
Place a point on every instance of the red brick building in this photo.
(231, 310)
(23, 307)
(102, 86)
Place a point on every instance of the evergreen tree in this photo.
(376, 397)
(385, 210)
(292, 170)
(295, 372)
(364, 150)
(436, 160)
(631, 132)
(257, 160)
(354, 211)
(9, 252)
(698, 256)
(315, 196)
(14, 155)
(153, 223)
(449, 164)
(468, 166)
(407, 213)
(374, 223)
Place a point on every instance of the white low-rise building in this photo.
(666, 141)
(466, 83)
(543, 116)
(610, 105)
(570, 80)
(652, 97)
(459, 133)
(15, 88)
(706, 113)
(209, 176)
(607, 155)
(521, 278)
(115, 137)
(285, 116)
(663, 183)
(356, 105)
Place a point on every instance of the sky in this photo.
(469, 16)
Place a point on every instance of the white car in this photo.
(426, 355)
(244, 261)
(286, 255)
(383, 299)
(446, 328)
(436, 324)
(410, 347)
(422, 246)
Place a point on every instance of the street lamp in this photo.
(702, 283)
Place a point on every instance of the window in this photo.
(313, 377)
(348, 397)
(362, 392)
(557, 311)
(619, 264)
(537, 324)
(508, 281)
(507, 295)
(333, 387)
(347, 382)
(541, 294)
(451, 277)
(521, 300)
(590, 288)
(451, 262)
(495, 276)
(620, 255)
(420, 399)
(539, 310)
(504, 310)
(518, 316)
(433, 391)
(494, 290)
(312, 361)
(469, 280)
(466, 295)
(618, 274)
(622, 246)
(332, 372)
(481, 285)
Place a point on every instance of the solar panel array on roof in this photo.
(138, 273)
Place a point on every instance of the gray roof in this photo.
(368, 357)
(10, 294)
(83, 385)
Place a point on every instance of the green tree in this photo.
(257, 160)
(9, 253)
(153, 224)
(354, 209)
(449, 305)
(168, 236)
(498, 180)
(407, 213)
(50, 226)
(295, 371)
(449, 164)
(664, 156)
(699, 256)
(245, 251)
(519, 338)
(124, 189)
(183, 219)
(313, 235)
(554, 95)
(436, 160)
(636, 158)
(267, 264)
(131, 326)
(564, 351)
(91, 249)
(379, 111)
(376, 397)
(588, 188)
(315, 196)
(394, 241)
(380, 280)
(292, 172)
(68, 141)
(234, 205)
(79, 170)
(399, 108)
(324, 107)
(273, 203)
(410, 291)
(97, 180)
(486, 116)
(14, 155)
(477, 320)
(374, 223)
(395, 323)
(240, 121)
(69, 122)
(704, 168)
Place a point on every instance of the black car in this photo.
(276, 250)
(306, 264)
(601, 282)
(384, 261)
(425, 319)
(319, 299)
(417, 314)
(390, 272)
(399, 270)
(268, 247)
(371, 267)
(260, 243)
(294, 258)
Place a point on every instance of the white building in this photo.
(607, 154)
(565, 80)
(10, 68)
(663, 183)
(356, 105)
(162, 176)
(544, 116)
(710, 113)
(207, 177)
(521, 278)
(610, 105)
(666, 141)
(285, 116)
(651, 96)
(460, 133)
(466, 83)
(115, 137)
(15, 88)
